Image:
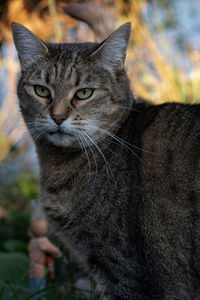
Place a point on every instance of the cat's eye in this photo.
(42, 91)
(84, 94)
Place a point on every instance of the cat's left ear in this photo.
(29, 46)
(112, 51)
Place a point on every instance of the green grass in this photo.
(14, 238)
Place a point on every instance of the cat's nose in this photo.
(58, 118)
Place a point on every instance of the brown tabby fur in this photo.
(121, 184)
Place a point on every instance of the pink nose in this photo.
(58, 118)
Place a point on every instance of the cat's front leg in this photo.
(118, 294)
(125, 289)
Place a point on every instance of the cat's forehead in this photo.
(68, 55)
(68, 65)
(65, 60)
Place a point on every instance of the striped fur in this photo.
(122, 185)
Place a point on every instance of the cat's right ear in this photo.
(29, 46)
(112, 51)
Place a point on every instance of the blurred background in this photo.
(163, 64)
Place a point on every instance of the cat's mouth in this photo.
(61, 138)
(60, 133)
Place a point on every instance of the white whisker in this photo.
(108, 148)
(108, 168)
(95, 162)
(119, 139)
(116, 138)
(35, 138)
(128, 108)
(86, 153)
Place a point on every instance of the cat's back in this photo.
(170, 177)
(171, 136)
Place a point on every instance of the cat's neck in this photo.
(51, 156)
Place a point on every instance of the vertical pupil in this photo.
(84, 91)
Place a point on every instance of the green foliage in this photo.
(10, 291)
(14, 282)
(27, 185)
(14, 231)
(65, 292)
(14, 246)
(14, 266)
(13, 275)
(14, 262)
(18, 194)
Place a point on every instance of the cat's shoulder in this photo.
(167, 120)
(169, 110)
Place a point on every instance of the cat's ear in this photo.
(29, 46)
(112, 51)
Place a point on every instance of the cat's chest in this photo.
(93, 201)
(92, 194)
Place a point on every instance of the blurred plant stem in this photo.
(58, 35)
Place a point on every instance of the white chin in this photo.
(63, 140)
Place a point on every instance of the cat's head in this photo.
(71, 94)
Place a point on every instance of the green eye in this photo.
(42, 91)
(84, 93)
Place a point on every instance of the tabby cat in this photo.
(119, 180)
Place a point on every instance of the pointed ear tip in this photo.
(15, 25)
(128, 25)
(14, 28)
(125, 27)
